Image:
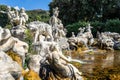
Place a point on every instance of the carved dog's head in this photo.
(4, 34)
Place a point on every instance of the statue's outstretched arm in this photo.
(64, 57)
(3, 12)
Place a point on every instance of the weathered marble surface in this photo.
(8, 67)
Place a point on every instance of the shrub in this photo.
(74, 27)
(109, 25)
(113, 25)
(97, 26)
(29, 39)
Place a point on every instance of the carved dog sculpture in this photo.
(7, 42)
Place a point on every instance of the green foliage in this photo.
(8, 26)
(72, 11)
(109, 25)
(38, 15)
(97, 25)
(3, 17)
(74, 27)
(3, 7)
(113, 25)
(4, 20)
(28, 39)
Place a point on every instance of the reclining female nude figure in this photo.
(59, 63)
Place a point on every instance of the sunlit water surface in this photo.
(103, 65)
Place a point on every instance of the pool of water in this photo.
(103, 65)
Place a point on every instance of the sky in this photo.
(27, 4)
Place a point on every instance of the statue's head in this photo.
(22, 9)
(8, 8)
(20, 47)
(80, 29)
(16, 8)
(73, 34)
(56, 11)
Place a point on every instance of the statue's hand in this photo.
(69, 58)
(35, 43)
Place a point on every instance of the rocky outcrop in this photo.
(8, 68)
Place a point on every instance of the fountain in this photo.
(54, 58)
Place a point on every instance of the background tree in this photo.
(86, 10)
(38, 15)
(3, 17)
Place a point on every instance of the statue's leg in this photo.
(36, 36)
(23, 61)
(21, 20)
(76, 74)
(50, 34)
(86, 44)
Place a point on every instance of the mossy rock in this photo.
(31, 75)
(15, 57)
